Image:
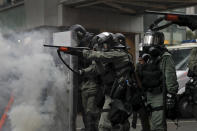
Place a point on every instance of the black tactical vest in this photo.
(117, 72)
(151, 75)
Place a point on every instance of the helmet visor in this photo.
(148, 39)
(153, 38)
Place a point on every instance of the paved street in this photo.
(183, 125)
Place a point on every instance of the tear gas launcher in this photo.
(189, 21)
(68, 50)
(74, 51)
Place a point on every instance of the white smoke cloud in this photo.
(26, 123)
(27, 70)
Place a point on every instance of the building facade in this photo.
(97, 16)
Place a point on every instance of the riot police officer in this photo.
(88, 83)
(143, 113)
(158, 78)
(107, 62)
(115, 67)
(191, 85)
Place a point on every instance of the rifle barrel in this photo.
(51, 46)
(67, 47)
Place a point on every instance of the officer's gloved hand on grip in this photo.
(171, 110)
(170, 101)
(81, 72)
(76, 52)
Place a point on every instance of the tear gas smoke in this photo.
(29, 72)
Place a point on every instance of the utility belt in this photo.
(155, 90)
(151, 109)
(170, 108)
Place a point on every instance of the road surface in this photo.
(183, 125)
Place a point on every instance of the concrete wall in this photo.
(97, 19)
(13, 19)
(52, 13)
(41, 12)
(34, 10)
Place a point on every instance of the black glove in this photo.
(81, 72)
(170, 101)
(171, 110)
(76, 52)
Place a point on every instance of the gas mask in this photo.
(155, 51)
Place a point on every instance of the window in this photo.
(180, 57)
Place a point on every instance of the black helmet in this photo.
(152, 38)
(103, 40)
(153, 43)
(87, 40)
(105, 37)
(119, 38)
(79, 31)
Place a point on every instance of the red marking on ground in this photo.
(4, 116)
